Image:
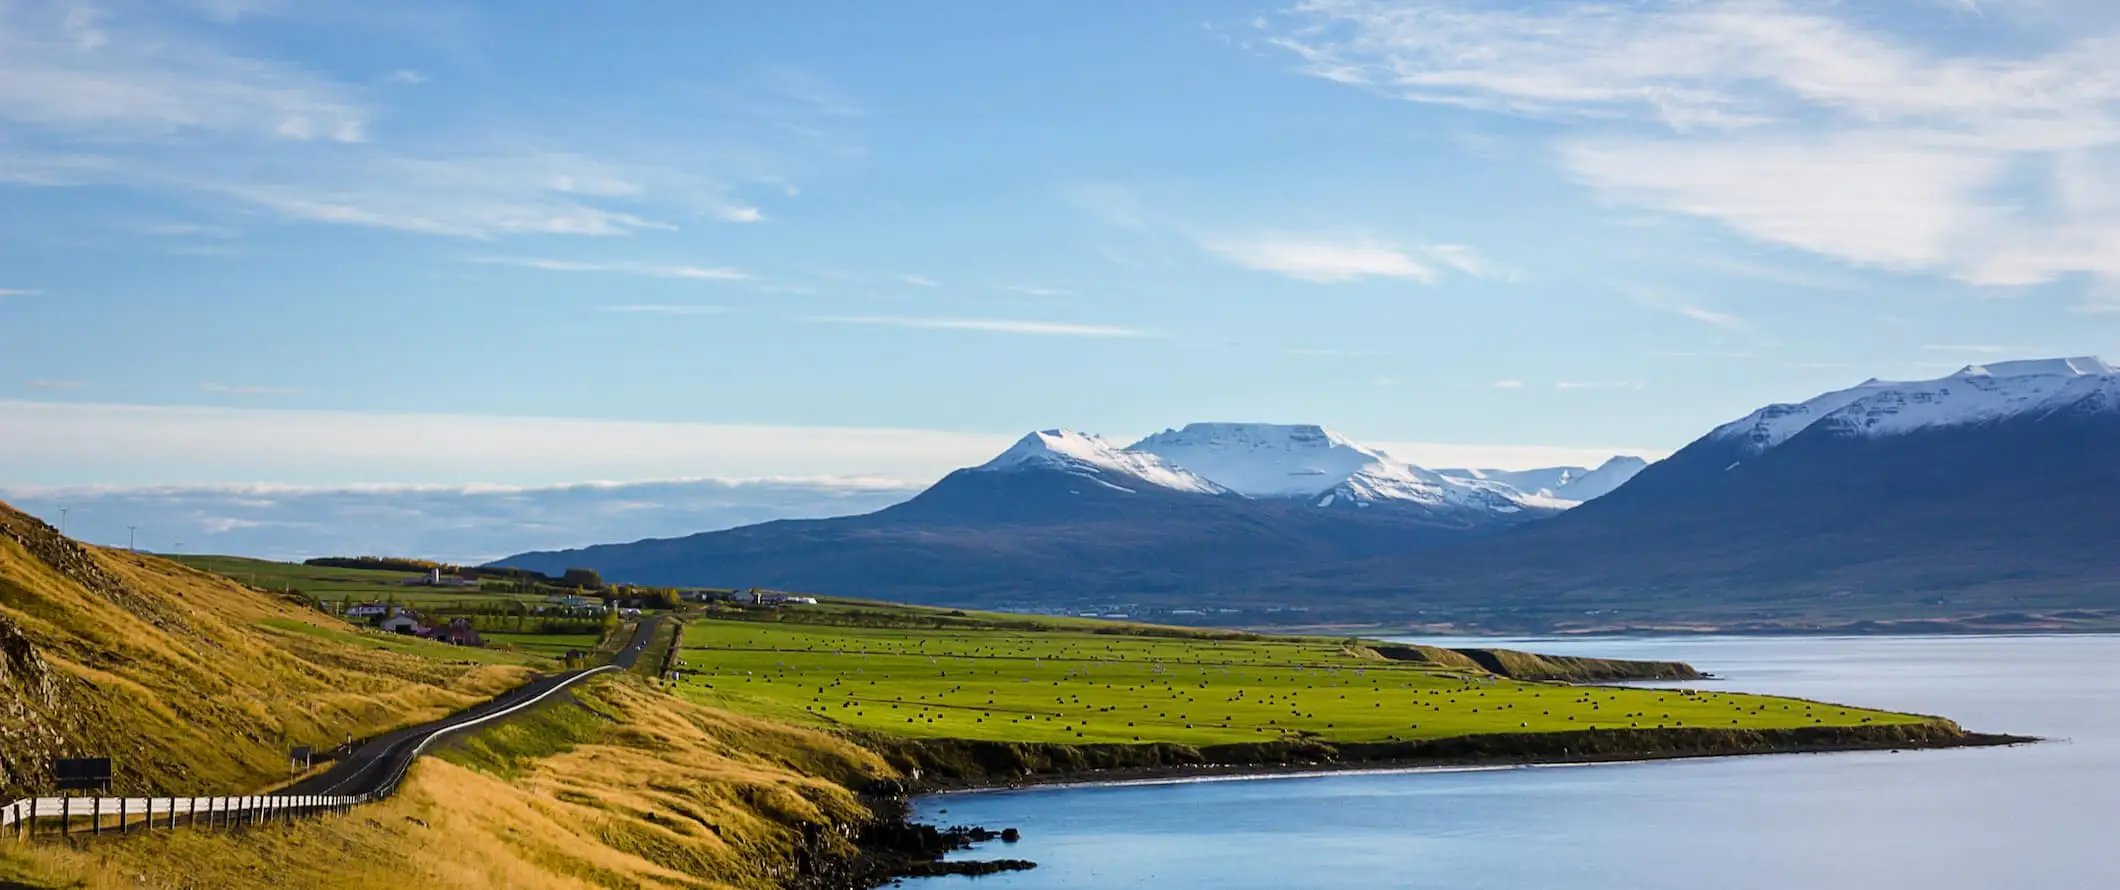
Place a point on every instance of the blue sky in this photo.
(322, 243)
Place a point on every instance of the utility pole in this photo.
(62, 521)
(129, 537)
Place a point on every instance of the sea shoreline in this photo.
(1239, 771)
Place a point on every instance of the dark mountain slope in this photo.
(984, 537)
(2017, 514)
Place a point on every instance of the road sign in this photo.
(82, 773)
(298, 758)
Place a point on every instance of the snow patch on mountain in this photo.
(1597, 483)
(1975, 394)
(1309, 462)
(1091, 456)
(1544, 480)
(1264, 460)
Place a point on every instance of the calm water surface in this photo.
(2044, 816)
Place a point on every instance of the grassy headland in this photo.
(1063, 684)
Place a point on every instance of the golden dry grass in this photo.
(628, 788)
(173, 673)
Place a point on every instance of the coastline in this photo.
(893, 846)
(1247, 771)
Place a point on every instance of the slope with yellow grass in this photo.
(191, 683)
(617, 786)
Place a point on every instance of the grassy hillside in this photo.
(621, 788)
(189, 681)
(1027, 681)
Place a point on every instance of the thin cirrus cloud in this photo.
(989, 325)
(249, 390)
(1709, 316)
(81, 443)
(1975, 349)
(458, 523)
(1794, 124)
(155, 100)
(1595, 385)
(664, 309)
(648, 270)
(1342, 259)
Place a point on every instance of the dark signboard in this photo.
(82, 773)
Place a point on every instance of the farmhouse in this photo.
(458, 633)
(402, 622)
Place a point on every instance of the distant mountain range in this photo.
(1993, 491)
(1212, 504)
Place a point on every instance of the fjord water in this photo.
(2028, 816)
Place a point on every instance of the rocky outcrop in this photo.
(41, 712)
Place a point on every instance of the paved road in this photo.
(380, 761)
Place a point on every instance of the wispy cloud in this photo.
(1507, 384)
(1114, 204)
(82, 443)
(650, 270)
(405, 77)
(1660, 301)
(1709, 316)
(1036, 291)
(149, 100)
(916, 280)
(1976, 349)
(249, 390)
(472, 523)
(998, 326)
(1333, 352)
(19, 292)
(1321, 261)
(665, 309)
(1341, 259)
(1596, 384)
(57, 384)
(1796, 124)
(72, 69)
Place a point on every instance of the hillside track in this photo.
(381, 761)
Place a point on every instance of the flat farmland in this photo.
(1070, 685)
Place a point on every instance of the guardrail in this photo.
(238, 811)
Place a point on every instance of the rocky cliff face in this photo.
(42, 714)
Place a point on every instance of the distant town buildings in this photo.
(435, 578)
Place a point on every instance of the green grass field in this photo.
(337, 584)
(1064, 682)
(410, 645)
(553, 646)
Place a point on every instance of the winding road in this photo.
(379, 763)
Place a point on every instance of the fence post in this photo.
(172, 814)
(95, 826)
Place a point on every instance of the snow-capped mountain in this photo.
(1571, 484)
(1325, 469)
(1090, 456)
(1597, 483)
(1541, 480)
(1990, 491)
(1976, 394)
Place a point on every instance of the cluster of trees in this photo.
(381, 564)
